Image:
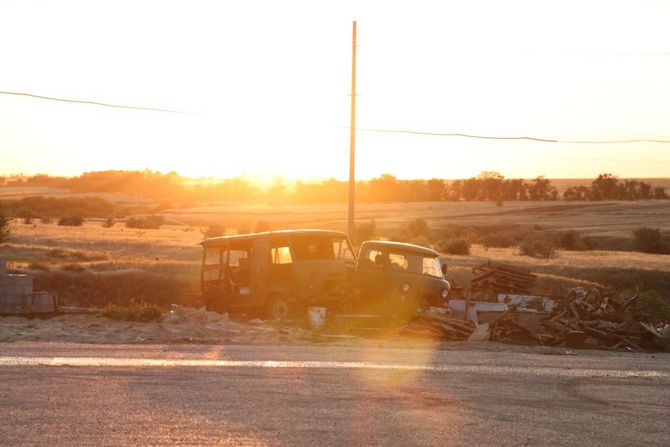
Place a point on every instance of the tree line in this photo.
(488, 185)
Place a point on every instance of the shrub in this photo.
(454, 246)
(538, 245)
(71, 221)
(571, 240)
(418, 227)
(422, 241)
(365, 231)
(651, 307)
(152, 222)
(28, 220)
(46, 220)
(109, 223)
(649, 240)
(132, 311)
(4, 226)
(498, 240)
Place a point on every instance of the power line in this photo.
(95, 103)
(527, 138)
(401, 131)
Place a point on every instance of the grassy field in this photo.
(607, 219)
(93, 265)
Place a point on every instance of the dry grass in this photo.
(94, 265)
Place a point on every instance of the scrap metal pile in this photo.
(501, 278)
(584, 318)
(432, 325)
(592, 313)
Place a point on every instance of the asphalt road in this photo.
(73, 394)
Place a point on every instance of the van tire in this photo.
(278, 307)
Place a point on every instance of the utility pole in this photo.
(352, 140)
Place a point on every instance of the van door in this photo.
(370, 277)
(260, 255)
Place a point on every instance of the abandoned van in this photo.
(395, 278)
(276, 272)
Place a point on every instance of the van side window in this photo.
(398, 262)
(213, 256)
(281, 255)
(371, 257)
(313, 248)
(236, 256)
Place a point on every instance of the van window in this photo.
(398, 262)
(371, 257)
(235, 256)
(432, 267)
(313, 248)
(281, 255)
(213, 256)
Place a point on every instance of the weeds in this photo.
(538, 245)
(649, 240)
(132, 311)
(152, 222)
(454, 247)
(71, 221)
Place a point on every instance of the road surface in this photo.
(76, 394)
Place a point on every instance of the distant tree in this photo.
(490, 185)
(645, 190)
(436, 190)
(659, 193)
(580, 192)
(278, 190)
(605, 187)
(540, 189)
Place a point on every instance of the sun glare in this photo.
(266, 94)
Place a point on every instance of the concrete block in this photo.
(41, 302)
(16, 279)
(15, 289)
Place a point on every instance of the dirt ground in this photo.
(188, 326)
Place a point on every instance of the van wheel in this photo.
(279, 308)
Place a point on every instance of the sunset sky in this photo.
(266, 85)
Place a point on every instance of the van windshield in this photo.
(320, 247)
(412, 263)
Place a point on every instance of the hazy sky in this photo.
(268, 85)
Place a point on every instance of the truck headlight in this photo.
(444, 293)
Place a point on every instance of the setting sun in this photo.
(263, 87)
